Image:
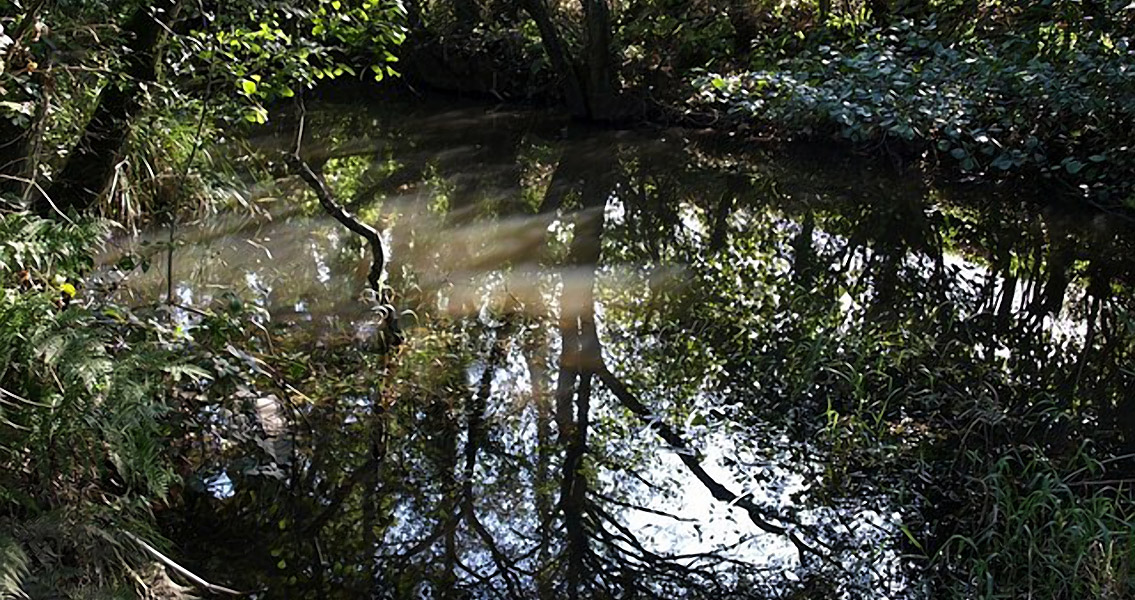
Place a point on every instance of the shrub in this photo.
(986, 108)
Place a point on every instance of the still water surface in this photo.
(634, 363)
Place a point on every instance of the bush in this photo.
(85, 409)
(989, 109)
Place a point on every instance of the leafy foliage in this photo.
(86, 414)
(987, 107)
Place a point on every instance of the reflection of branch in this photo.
(644, 509)
(464, 508)
(693, 464)
(435, 535)
(656, 565)
(475, 415)
(505, 566)
(340, 496)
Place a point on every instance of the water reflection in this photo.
(635, 365)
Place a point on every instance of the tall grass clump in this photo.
(1046, 529)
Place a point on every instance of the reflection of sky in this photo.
(220, 486)
(300, 263)
(705, 524)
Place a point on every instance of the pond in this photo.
(665, 363)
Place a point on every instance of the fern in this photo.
(13, 569)
(83, 433)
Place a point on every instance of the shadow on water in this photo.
(635, 365)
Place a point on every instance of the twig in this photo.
(204, 113)
(642, 508)
(167, 561)
(23, 27)
(4, 392)
(42, 192)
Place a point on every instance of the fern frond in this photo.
(13, 570)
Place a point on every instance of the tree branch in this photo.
(340, 214)
(693, 464)
(167, 561)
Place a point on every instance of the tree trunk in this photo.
(825, 10)
(880, 11)
(744, 27)
(602, 98)
(15, 154)
(538, 373)
(413, 16)
(91, 164)
(558, 55)
(16, 141)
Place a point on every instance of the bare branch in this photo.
(167, 561)
(340, 214)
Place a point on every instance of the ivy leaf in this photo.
(191, 372)
(22, 108)
(1003, 162)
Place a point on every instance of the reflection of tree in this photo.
(626, 565)
(834, 319)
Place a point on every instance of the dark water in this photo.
(661, 364)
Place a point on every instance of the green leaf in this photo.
(910, 536)
(249, 87)
(193, 373)
(22, 108)
(256, 114)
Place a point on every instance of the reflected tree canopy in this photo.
(635, 366)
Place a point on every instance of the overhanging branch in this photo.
(346, 219)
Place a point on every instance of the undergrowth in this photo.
(983, 108)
